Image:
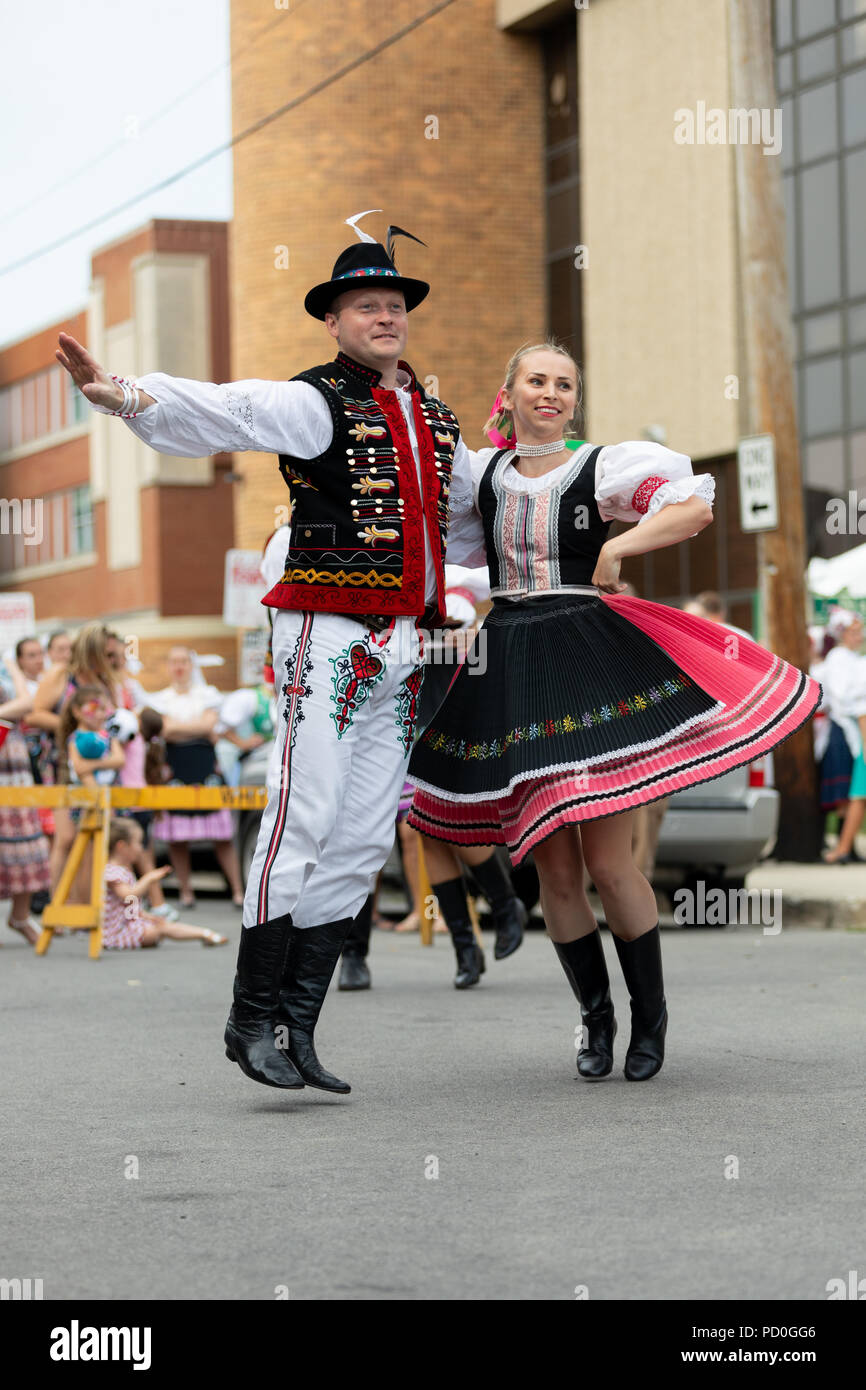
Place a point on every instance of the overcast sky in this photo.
(83, 78)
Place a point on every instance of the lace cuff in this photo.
(664, 493)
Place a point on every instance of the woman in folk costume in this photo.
(588, 703)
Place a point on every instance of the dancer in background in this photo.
(445, 652)
(591, 703)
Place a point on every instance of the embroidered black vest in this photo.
(358, 521)
(542, 540)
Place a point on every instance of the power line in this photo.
(235, 140)
(151, 120)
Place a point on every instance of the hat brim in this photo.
(320, 298)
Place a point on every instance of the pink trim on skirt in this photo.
(211, 825)
(764, 701)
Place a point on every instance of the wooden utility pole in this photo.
(768, 406)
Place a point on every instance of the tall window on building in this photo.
(821, 79)
(562, 185)
(47, 530)
(39, 406)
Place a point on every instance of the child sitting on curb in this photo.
(125, 926)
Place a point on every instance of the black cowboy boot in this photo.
(641, 962)
(586, 971)
(454, 906)
(313, 955)
(354, 973)
(249, 1035)
(508, 914)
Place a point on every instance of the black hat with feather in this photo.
(366, 263)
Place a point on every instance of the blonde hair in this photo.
(501, 419)
(120, 832)
(88, 657)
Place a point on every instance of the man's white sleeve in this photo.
(192, 419)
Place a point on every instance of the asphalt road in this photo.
(544, 1184)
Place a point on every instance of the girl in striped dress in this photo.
(125, 926)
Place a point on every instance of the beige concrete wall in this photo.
(173, 330)
(660, 305)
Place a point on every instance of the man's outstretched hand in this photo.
(91, 379)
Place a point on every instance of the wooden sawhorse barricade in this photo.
(96, 805)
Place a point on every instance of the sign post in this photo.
(756, 471)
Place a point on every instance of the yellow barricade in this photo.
(96, 805)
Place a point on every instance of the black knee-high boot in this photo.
(507, 911)
(641, 962)
(312, 959)
(249, 1035)
(354, 971)
(586, 971)
(454, 906)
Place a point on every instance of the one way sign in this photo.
(756, 468)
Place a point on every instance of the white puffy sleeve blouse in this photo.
(633, 481)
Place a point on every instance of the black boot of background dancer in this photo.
(508, 915)
(354, 971)
(454, 906)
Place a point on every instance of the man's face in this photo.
(31, 660)
(371, 325)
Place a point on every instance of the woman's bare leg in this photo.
(64, 834)
(409, 842)
(564, 905)
(227, 858)
(629, 902)
(178, 853)
(442, 865)
(848, 833)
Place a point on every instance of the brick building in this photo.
(125, 534)
(531, 144)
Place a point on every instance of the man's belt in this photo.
(377, 622)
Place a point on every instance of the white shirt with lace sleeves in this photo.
(465, 530)
(192, 419)
(636, 479)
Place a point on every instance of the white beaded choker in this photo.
(534, 451)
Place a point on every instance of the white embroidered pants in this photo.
(347, 700)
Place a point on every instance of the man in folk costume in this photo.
(373, 463)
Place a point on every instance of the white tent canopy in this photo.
(844, 574)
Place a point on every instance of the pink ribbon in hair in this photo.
(494, 434)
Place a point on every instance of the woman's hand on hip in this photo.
(606, 574)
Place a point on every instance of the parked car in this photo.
(719, 830)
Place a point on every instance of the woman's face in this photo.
(853, 635)
(544, 396)
(61, 650)
(114, 654)
(179, 667)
